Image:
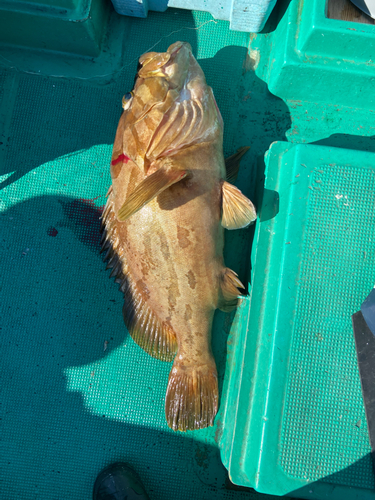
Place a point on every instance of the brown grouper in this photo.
(163, 225)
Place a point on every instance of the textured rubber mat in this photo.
(76, 392)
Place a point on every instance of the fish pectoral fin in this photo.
(231, 288)
(232, 163)
(148, 189)
(238, 211)
(192, 396)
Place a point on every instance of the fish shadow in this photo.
(78, 393)
(258, 119)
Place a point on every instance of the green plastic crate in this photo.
(310, 57)
(295, 421)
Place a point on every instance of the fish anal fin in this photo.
(154, 336)
(232, 163)
(231, 288)
(238, 210)
(148, 189)
(192, 396)
(146, 329)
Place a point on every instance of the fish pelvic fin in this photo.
(192, 396)
(155, 337)
(148, 189)
(231, 288)
(238, 211)
(232, 163)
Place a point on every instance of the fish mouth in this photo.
(171, 65)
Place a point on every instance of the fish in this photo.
(170, 200)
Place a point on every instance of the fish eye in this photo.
(126, 99)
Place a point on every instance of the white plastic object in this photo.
(243, 15)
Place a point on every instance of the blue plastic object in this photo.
(243, 15)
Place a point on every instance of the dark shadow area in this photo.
(270, 205)
(338, 484)
(53, 117)
(262, 119)
(276, 15)
(365, 348)
(61, 313)
(347, 141)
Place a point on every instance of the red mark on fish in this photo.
(122, 158)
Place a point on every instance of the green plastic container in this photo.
(310, 57)
(65, 38)
(295, 422)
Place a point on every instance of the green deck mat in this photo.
(76, 392)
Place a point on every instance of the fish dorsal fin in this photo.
(231, 288)
(238, 211)
(154, 336)
(232, 163)
(148, 189)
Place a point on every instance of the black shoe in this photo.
(119, 482)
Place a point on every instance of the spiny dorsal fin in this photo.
(155, 337)
(238, 211)
(148, 189)
(230, 289)
(232, 163)
(192, 396)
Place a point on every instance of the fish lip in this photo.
(173, 55)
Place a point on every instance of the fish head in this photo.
(177, 66)
(170, 107)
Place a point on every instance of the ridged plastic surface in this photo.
(299, 395)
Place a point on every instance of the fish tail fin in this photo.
(192, 396)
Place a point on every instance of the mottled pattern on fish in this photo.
(163, 226)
